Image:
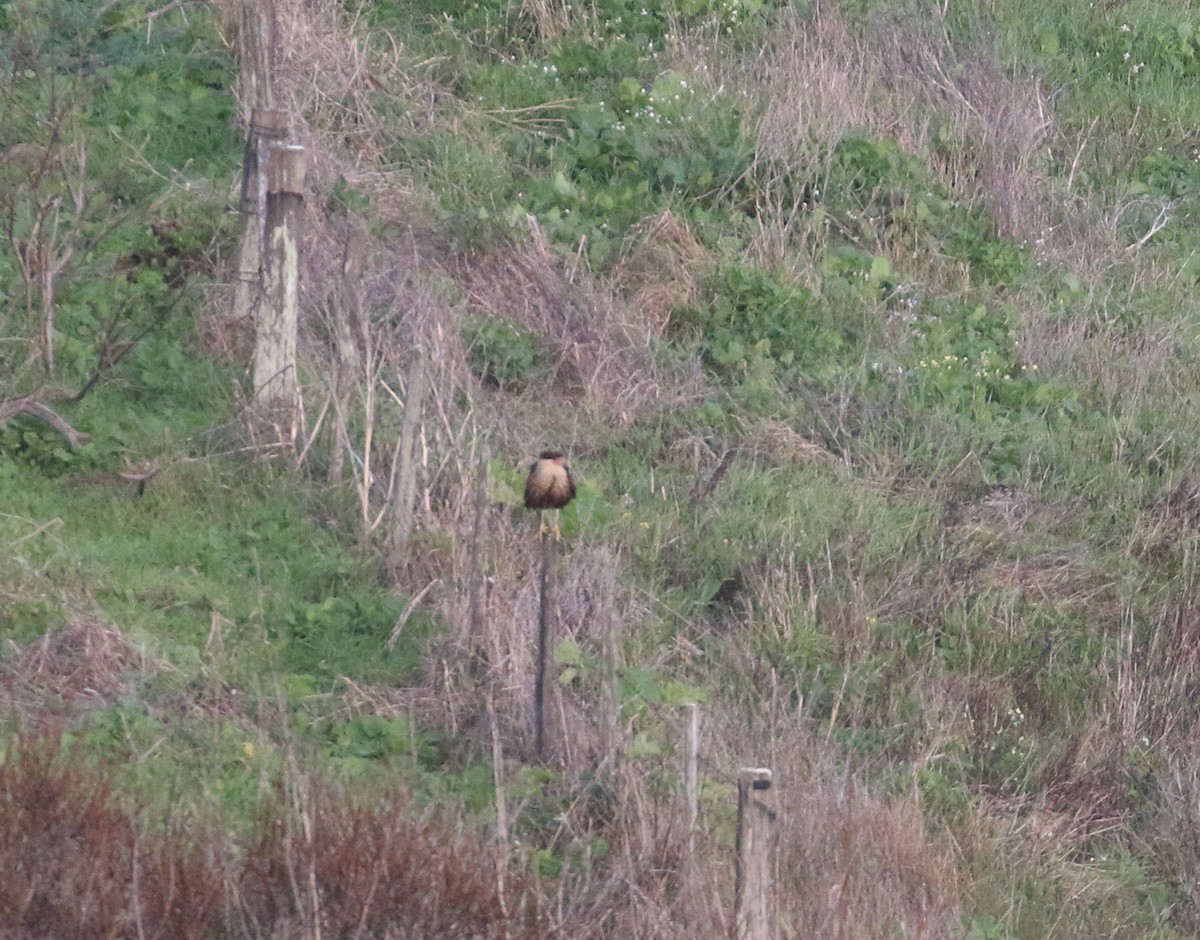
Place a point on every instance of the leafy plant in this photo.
(499, 353)
(751, 320)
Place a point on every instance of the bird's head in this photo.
(552, 455)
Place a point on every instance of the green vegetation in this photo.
(870, 334)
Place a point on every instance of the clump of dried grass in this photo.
(661, 269)
(785, 445)
(331, 73)
(554, 18)
(859, 867)
(1174, 833)
(1061, 578)
(78, 863)
(597, 352)
(824, 84)
(85, 664)
(818, 81)
(373, 867)
(987, 128)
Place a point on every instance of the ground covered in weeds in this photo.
(868, 328)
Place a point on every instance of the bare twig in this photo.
(36, 532)
(394, 636)
(1163, 218)
(1083, 139)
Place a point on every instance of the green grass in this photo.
(922, 505)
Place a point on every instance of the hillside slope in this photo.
(869, 329)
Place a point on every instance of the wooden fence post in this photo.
(692, 775)
(545, 612)
(256, 45)
(267, 126)
(275, 382)
(404, 498)
(754, 893)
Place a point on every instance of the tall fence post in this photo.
(754, 893)
(256, 45)
(545, 613)
(267, 126)
(275, 382)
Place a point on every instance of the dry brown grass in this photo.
(84, 665)
(991, 127)
(859, 867)
(330, 74)
(661, 269)
(80, 861)
(77, 863)
(987, 130)
(553, 18)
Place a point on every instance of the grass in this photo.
(868, 335)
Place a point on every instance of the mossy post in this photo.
(545, 613)
(268, 126)
(754, 891)
(275, 384)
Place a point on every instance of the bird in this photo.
(549, 486)
(141, 473)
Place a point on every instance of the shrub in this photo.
(751, 320)
(499, 353)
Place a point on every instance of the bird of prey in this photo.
(549, 486)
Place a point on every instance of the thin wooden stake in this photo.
(754, 891)
(543, 645)
(476, 603)
(692, 775)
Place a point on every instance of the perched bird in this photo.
(549, 485)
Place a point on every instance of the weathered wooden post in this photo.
(275, 382)
(692, 775)
(404, 499)
(754, 892)
(267, 126)
(545, 612)
(256, 46)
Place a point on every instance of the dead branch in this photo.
(31, 406)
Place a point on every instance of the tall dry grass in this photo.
(81, 861)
